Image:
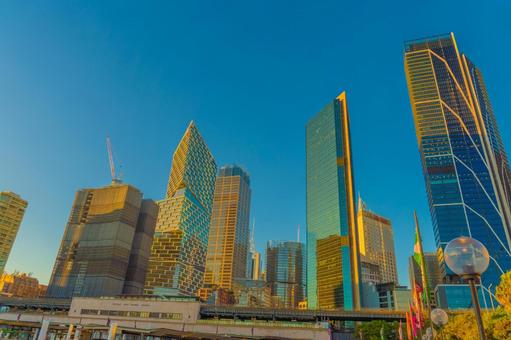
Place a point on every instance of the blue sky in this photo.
(250, 74)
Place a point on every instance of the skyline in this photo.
(87, 166)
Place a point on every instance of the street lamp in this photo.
(439, 317)
(469, 258)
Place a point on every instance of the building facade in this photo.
(12, 210)
(333, 267)
(228, 244)
(178, 253)
(19, 285)
(251, 293)
(376, 245)
(99, 248)
(285, 272)
(465, 166)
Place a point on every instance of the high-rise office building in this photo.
(285, 272)
(333, 267)
(376, 245)
(100, 248)
(433, 274)
(228, 244)
(178, 254)
(12, 210)
(464, 163)
(254, 265)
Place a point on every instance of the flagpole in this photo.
(423, 263)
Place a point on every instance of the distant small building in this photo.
(251, 293)
(393, 297)
(19, 285)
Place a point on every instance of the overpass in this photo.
(228, 311)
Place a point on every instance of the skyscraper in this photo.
(98, 254)
(178, 253)
(12, 210)
(285, 272)
(376, 244)
(464, 163)
(228, 244)
(332, 248)
(254, 259)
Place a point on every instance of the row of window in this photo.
(133, 314)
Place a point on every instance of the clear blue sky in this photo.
(250, 74)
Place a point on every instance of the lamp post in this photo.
(469, 258)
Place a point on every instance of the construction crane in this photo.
(115, 179)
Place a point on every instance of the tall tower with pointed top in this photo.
(178, 253)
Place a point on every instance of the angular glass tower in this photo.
(228, 244)
(332, 247)
(285, 272)
(178, 253)
(464, 163)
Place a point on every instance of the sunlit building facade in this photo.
(285, 272)
(12, 210)
(333, 267)
(376, 245)
(228, 244)
(99, 249)
(464, 163)
(178, 253)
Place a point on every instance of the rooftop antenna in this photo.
(115, 179)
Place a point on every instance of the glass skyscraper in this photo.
(332, 247)
(464, 163)
(178, 253)
(12, 210)
(285, 272)
(228, 243)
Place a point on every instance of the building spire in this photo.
(298, 234)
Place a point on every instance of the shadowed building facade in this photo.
(178, 253)
(102, 243)
(465, 166)
(376, 245)
(285, 272)
(333, 267)
(12, 210)
(228, 243)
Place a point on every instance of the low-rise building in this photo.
(19, 285)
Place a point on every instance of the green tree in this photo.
(372, 330)
(503, 291)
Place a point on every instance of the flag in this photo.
(413, 322)
(400, 330)
(408, 326)
(418, 256)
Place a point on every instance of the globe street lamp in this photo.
(469, 258)
(439, 317)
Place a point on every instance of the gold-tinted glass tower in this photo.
(12, 210)
(178, 253)
(228, 243)
(333, 267)
(376, 243)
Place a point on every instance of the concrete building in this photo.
(19, 285)
(251, 293)
(228, 244)
(12, 210)
(178, 253)
(285, 272)
(104, 246)
(394, 297)
(333, 264)
(376, 245)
